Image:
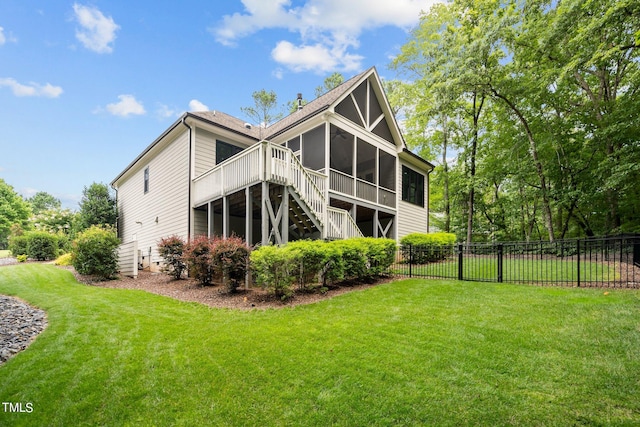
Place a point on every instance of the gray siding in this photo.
(411, 218)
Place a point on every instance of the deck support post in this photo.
(264, 215)
(225, 217)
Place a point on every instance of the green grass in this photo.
(412, 352)
(516, 270)
(5, 253)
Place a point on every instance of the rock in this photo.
(20, 324)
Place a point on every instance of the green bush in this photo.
(22, 258)
(65, 259)
(309, 259)
(423, 248)
(41, 245)
(95, 252)
(19, 245)
(380, 254)
(172, 250)
(273, 268)
(354, 257)
(230, 259)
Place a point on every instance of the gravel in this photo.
(19, 325)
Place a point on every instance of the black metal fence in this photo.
(594, 262)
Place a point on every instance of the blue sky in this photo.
(86, 86)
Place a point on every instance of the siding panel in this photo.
(411, 218)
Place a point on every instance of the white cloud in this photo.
(317, 57)
(329, 28)
(164, 112)
(97, 31)
(31, 89)
(195, 105)
(128, 105)
(3, 39)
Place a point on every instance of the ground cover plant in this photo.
(411, 352)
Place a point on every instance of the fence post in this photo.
(410, 258)
(460, 258)
(578, 263)
(500, 262)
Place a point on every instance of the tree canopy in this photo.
(538, 101)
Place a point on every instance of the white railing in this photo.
(277, 164)
(229, 176)
(341, 182)
(340, 225)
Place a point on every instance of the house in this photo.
(336, 168)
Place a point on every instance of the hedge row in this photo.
(308, 263)
(421, 248)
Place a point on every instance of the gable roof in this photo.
(257, 133)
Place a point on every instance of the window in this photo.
(341, 153)
(146, 180)
(313, 148)
(387, 171)
(366, 161)
(412, 186)
(225, 150)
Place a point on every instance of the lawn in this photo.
(516, 270)
(411, 352)
(5, 253)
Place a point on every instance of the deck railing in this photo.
(340, 224)
(277, 164)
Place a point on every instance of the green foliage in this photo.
(354, 257)
(380, 254)
(95, 252)
(64, 259)
(309, 260)
(41, 245)
(557, 141)
(263, 112)
(421, 248)
(19, 245)
(13, 211)
(97, 207)
(274, 269)
(22, 258)
(42, 201)
(171, 249)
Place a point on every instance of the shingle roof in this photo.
(314, 107)
(228, 122)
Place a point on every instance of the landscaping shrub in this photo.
(19, 245)
(65, 259)
(354, 257)
(22, 258)
(334, 268)
(380, 254)
(171, 249)
(426, 248)
(230, 258)
(273, 269)
(95, 252)
(309, 259)
(41, 245)
(197, 256)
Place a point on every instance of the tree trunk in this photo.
(477, 109)
(447, 205)
(533, 150)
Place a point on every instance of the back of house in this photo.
(336, 168)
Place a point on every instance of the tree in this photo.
(97, 207)
(330, 83)
(42, 201)
(14, 211)
(264, 112)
